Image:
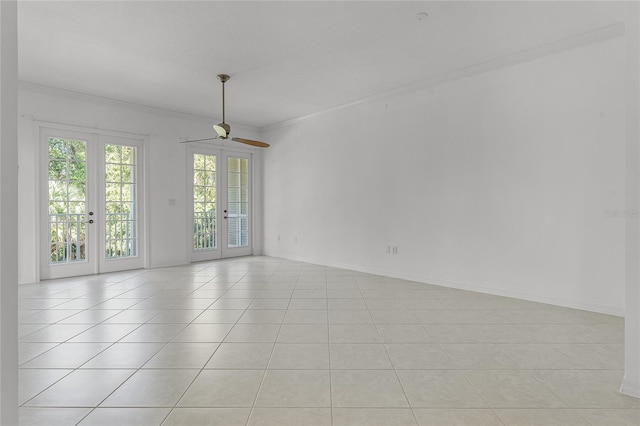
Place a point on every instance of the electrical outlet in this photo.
(394, 250)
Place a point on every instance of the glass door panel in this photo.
(121, 230)
(68, 235)
(237, 218)
(67, 200)
(219, 181)
(237, 202)
(121, 237)
(205, 226)
(91, 190)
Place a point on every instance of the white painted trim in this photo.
(54, 91)
(37, 161)
(89, 266)
(208, 255)
(257, 204)
(141, 140)
(632, 192)
(89, 129)
(222, 153)
(608, 310)
(146, 144)
(168, 264)
(591, 37)
(140, 260)
(584, 39)
(225, 251)
(131, 106)
(188, 203)
(630, 387)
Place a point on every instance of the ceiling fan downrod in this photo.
(223, 129)
(223, 78)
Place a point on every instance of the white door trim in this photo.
(212, 254)
(41, 125)
(226, 251)
(221, 153)
(112, 265)
(90, 265)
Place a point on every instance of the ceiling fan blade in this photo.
(251, 142)
(199, 140)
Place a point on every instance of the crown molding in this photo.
(584, 39)
(71, 94)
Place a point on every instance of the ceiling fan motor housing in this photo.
(222, 129)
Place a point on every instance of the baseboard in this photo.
(167, 264)
(602, 309)
(630, 387)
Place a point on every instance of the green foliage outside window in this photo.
(67, 195)
(204, 202)
(120, 197)
(67, 176)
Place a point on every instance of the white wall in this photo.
(631, 380)
(497, 182)
(8, 213)
(166, 162)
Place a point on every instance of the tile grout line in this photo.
(72, 369)
(375, 286)
(329, 354)
(175, 405)
(140, 367)
(395, 372)
(136, 370)
(456, 368)
(266, 369)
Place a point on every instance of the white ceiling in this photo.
(286, 59)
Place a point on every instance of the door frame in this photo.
(114, 265)
(213, 254)
(40, 128)
(221, 153)
(90, 266)
(226, 251)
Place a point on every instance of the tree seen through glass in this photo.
(204, 202)
(120, 201)
(67, 200)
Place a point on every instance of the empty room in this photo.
(319, 213)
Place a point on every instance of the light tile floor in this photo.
(260, 340)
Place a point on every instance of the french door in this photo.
(92, 219)
(220, 205)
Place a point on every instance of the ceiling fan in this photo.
(223, 129)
